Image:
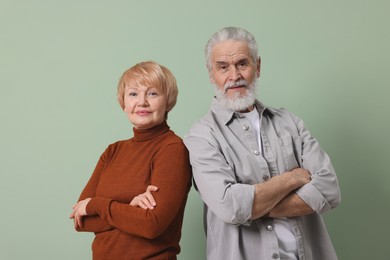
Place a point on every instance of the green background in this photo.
(326, 61)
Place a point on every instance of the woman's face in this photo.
(145, 106)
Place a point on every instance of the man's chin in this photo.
(236, 100)
(237, 103)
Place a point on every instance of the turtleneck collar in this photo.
(141, 135)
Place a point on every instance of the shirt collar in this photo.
(226, 115)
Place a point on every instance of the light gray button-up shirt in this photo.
(226, 164)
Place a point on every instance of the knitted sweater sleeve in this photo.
(171, 173)
(94, 223)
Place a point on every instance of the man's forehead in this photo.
(230, 50)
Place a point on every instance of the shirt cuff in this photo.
(314, 198)
(243, 195)
(97, 205)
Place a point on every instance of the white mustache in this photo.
(241, 82)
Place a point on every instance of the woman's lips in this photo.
(143, 113)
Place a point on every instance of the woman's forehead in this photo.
(140, 86)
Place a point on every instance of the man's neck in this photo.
(249, 109)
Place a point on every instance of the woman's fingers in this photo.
(152, 188)
(149, 195)
(79, 210)
(142, 204)
(146, 199)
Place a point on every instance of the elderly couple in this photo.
(262, 176)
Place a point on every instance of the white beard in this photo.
(237, 102)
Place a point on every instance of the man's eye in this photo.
(242, 64)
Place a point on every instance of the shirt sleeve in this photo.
(323, 192)
(94, 223)
(215, 179)
(171, 173)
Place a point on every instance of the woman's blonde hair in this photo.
(150, 74)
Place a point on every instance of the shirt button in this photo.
(275, 256)
(269, 228)
(256, 152)
(265, 177)
(245, 127)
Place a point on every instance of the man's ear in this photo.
(258, 66)
(211, 77)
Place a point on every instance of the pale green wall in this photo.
(327, 61)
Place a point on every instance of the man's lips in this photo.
(236, 87)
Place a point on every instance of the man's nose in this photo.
(234, 74)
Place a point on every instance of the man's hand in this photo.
(291, 206)
(268, 194)
(301, 175)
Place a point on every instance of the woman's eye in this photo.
(152, 93)
(132, 94)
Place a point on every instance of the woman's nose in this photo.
(142, 100)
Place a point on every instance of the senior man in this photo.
(263, 177)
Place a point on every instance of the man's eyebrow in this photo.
(242, 60)
(221, 62)
(238, 61)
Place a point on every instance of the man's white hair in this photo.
(231, 34)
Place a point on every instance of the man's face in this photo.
(231, 63)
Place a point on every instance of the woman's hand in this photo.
(79, 210)
(146, 199)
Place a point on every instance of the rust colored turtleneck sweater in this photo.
(152, 157)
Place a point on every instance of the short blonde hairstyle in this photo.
(150, 74)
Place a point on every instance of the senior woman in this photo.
(134, 201)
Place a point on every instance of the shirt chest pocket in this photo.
(287, 151)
